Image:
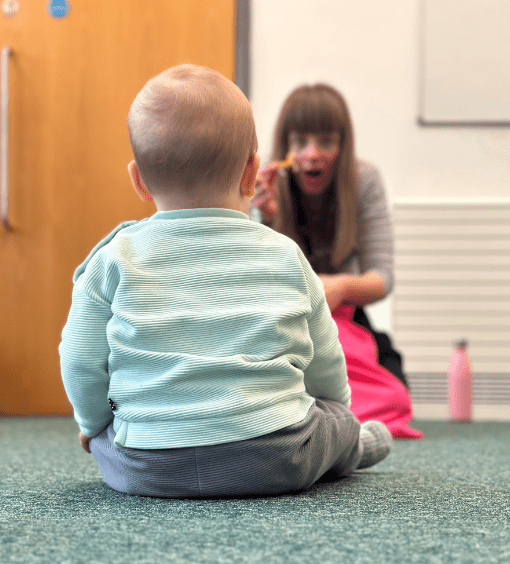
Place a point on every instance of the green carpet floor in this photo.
(442, 500)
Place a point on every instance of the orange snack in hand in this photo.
(289, 162)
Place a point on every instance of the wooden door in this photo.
(72, 81)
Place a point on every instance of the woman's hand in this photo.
(266, 194)
(84, 442)
(337, 288)
(351, 289)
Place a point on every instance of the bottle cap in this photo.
(460, 343)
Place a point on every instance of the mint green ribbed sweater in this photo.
(201, 327)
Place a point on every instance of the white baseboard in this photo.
(439, 412)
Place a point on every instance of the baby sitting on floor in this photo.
(200, 355)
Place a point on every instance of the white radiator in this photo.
(452, 280)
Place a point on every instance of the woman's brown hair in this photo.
(313, 109)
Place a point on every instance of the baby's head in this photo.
(192, 131)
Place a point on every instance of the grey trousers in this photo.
(287, 460)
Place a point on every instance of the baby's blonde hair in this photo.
(191, 128)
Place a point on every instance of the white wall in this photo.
(368, 49)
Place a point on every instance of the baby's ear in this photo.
(247, 186)
(137, 182)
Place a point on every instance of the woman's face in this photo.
(316, 156)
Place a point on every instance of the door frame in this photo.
(243, 46)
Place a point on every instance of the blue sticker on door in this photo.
(58, 8)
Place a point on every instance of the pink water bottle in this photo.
(460, 383)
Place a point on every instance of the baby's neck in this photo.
(186, 203)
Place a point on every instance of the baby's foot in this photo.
(377, 441)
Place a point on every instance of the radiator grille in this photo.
(452, 280)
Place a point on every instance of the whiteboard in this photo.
(464, 62)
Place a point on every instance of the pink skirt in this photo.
(376, 392)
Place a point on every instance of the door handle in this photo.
(4, 136)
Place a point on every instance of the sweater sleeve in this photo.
(84, 353)
(374, 233)
(326, 375)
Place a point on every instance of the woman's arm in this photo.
(351, 289)
(374, 234)
(375, 247)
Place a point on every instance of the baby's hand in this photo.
(84, 442)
